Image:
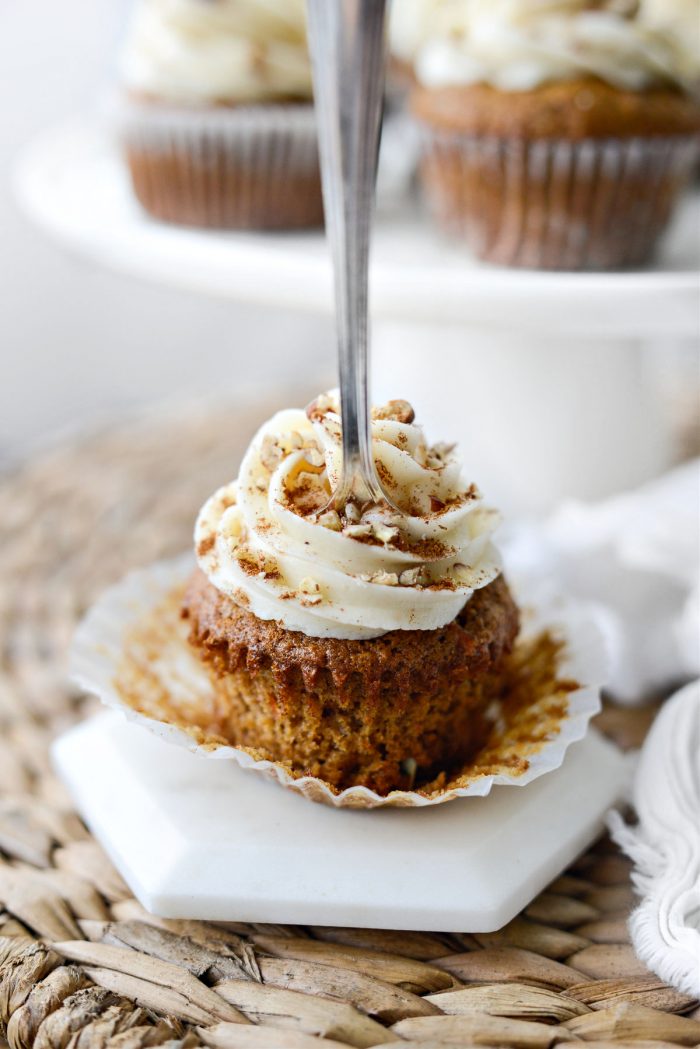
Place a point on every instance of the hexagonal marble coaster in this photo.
(196, 838)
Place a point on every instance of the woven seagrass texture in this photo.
(82, 965)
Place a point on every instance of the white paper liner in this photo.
(159, 125)
(98, 653)
(239, 166)
(556, 204)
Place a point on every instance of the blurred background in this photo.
(83, 345)
(80, 344)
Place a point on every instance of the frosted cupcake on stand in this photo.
(333, 637)
(216, 117)
(557, 134)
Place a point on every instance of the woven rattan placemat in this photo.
(82, 965)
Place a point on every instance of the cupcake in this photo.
(360, 646)
(558, 134)
(216, 119)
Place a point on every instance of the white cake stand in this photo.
(204, 839)
(542, 377)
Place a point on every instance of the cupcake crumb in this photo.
(331, 520)
(271, 453)
(385, 533)
(385, 578)
(310, 592)
(358, 531)
(411, 577)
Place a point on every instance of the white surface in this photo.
(72, 182)
(205, 839)
(665, 844)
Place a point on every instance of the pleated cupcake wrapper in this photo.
(98, 654)
(226, 165)
(243, 129)
(592, 204)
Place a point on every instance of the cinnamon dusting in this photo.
(163, 677)
(205, 545)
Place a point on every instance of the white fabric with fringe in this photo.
(637, 555)
(665, 844)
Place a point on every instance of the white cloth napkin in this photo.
(637, 556)
(635, 559)
(665, 844)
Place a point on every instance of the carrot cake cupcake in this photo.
(359, 646)
(558, 133)
(216, 119)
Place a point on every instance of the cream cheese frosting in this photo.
(208, 51)
(267, 541)
(518, 45)
(681, 19)
(412, 22)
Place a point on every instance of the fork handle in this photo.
(347, 45)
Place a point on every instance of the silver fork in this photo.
(347, 45)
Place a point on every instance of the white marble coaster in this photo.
(196, 838)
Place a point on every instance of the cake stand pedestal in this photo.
(195, 838)
(539, 418)
(541, 377)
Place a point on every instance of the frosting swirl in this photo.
(267, 541)
(412, 22)
(517, 45)
(208, 51)
(680, 19)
